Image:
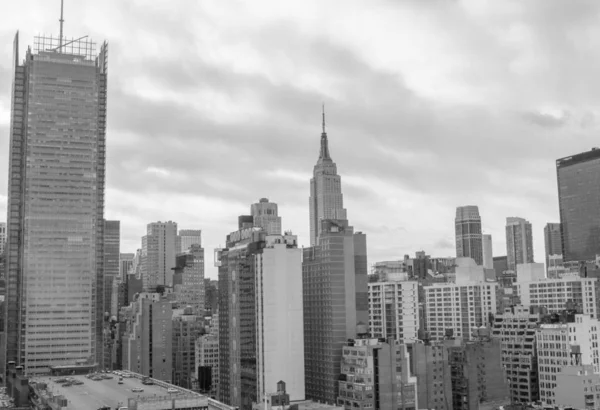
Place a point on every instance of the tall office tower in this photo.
(264, 214)
(125, 264)
(187, 328)
(326, 200)
(552, 241)
(519, 242)
(336, 306)
(147, 342)
(394, 310)
(56, 204)
(159, 248)
(380, 371)
(430, 365)
(478, 379)
(112, 247)
(516, 330)
(553, 294)
(579, 204)
(261, 336)
(188, 278)
(577, 335)
(2, 237)
(187, 238)
(469, 240)
(488, 257)
(207, 363)
(211, 296)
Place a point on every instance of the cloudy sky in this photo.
(430, 105)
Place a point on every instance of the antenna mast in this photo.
(60, 40)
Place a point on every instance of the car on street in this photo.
(137, 389)
(172, 390)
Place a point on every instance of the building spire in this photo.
(62, 20)
(324, 154)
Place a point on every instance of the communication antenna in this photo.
(60, 40)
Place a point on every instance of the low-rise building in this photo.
(578, 387)
(207, 364)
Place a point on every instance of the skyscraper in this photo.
(159, 248)
(264, 214)
(125, 264)
(488, 257)
(56, 204)
(469, 241)
(552, 240)
(336, 306)
(261, 333)
(188, 279)
(112, 247)
(579, 202)
(519, 242)
(187, 238)
(326, 200)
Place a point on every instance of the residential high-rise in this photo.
(147, 341)
(376, 374)
(326, 200)
(552, 241)
(578, 200)
(159, 248)
(573, 341)
(469, 239)
(187, 327)
(394, 310)
(516, 329)
(56, 204)
(264, 215)
(187, 238)
(261, 335)
(519, 242)
(2, 237)
(335, 304)
(488, 257)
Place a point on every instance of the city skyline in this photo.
(435, 124)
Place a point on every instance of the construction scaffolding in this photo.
(82, 47)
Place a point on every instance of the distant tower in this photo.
(552, 240)
(488, 257)
(519, 242)
(326, 200)
(264, 215)
(159, 249)
(469, 240)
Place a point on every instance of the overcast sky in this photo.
(430, 105)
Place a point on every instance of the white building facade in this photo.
(394, 310)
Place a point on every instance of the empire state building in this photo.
(326, 199)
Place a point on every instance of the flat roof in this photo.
(594, 153)
(94, 394)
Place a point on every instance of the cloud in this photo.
(429, 106)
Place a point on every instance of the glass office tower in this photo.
(56, 205)
(579, 202)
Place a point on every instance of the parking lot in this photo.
(94, 394)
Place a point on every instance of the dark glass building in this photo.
(469, 239)
(54, 249)
(579, 202)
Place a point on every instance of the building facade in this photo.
(187, 327)
(187, 238)
(573, 342)
(188, 279)
(264, 215)
(578, 199)
(516, 328)
(553, 294)
(469, 239)
(261, 335)
(125, 264)
(54, 250)
(2, 237)
(578, 387)
(519, 242)
(326, 200)
(147, 341)
(431, 367)
(458, 309)
(159, 248)
(394, 310)
(376, 375)
(335, 304)
(552, 240)
(207, 357)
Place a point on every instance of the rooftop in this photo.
(94, 394)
